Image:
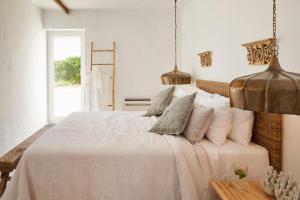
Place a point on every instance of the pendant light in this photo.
(176, 77)
(272, 91)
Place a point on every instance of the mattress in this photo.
(222, 159)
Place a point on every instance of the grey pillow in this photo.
(175, 117)
(161, 101)
(198, 124)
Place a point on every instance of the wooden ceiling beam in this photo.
(62, 6)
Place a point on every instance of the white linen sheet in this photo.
(109, 155)
(222, 159)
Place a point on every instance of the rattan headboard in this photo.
(267, 130)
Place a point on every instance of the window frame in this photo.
(51, 34)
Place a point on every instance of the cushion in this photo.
(176, 116)
(174, 99)
(220, 127)
(220, 97)
(184, 90)
(198, 124)
(161, 101)
(213, 102)
(203, 93)
(242, 126)
(242, 121)
(180, 93)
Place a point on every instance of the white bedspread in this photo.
(94, 156)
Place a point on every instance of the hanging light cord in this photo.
(175, 34)
(275, 46)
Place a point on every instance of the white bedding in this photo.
(98, 155)
(222, 159)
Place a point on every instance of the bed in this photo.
(111, 155)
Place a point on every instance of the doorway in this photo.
(65, 70)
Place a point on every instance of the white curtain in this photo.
(98, 90)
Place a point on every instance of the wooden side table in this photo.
(227, 190)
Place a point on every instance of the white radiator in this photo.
(136, 104)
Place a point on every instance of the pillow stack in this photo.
(195, 113)
(181, 116)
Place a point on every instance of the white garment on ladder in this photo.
(98, 90)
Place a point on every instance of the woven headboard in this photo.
(267, 130)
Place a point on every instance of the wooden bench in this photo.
(10, 160)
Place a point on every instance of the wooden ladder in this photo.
(113, 65)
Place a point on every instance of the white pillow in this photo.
(220, 97)
(219, 129)
(181, 93)
(242, 126)
(204, 93)
(190, 89)
(198, 124)
(213, 102)
(242, 122)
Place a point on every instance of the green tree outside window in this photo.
(67, 71)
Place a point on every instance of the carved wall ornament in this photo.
(206, 59)
(260, 52)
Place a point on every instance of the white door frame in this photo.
(51, 34)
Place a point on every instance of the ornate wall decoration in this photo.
(205, 59)
(260, 52)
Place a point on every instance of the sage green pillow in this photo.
(160, 102)
(176, 116)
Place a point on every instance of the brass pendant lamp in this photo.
(272, 91)
(176, 77)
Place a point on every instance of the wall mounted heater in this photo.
(136, 104)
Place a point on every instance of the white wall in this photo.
(22, 72)
(222, 26)
(144, 44)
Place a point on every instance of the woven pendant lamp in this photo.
(272, 91)
(176, 77)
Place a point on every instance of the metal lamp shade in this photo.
(176, 78)
(271, 91)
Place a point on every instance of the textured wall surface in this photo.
(144, 44)
(222, 26)
(22, 72)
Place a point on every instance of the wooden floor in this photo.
(10, 160)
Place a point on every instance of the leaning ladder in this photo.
(113, 65)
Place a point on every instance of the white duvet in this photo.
(109, 155)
